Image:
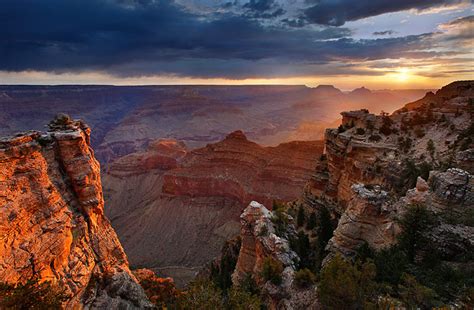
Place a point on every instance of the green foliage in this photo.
(375, 138)
(415, 223)
(302, 247)
(430, 147)
(304, 278)
(31, 295)
(271, 270)
(202, 295)
(325, 231)
(414, 295)
(240, 299)
(410, 172)
(248, 284)
(301, 217)
(222, 271)
(312, 221)
(346, 286)
(280, 219)
(405, 144)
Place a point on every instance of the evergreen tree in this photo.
(312, 221)
(301, 217)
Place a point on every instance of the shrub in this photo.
(161, 291)
(360, 131)
(414, 224)
(414, 295)
(312, 221)
(31, 295)
(301, 217)
(304, 278)
(419, 133)
(248, 284)
(201, 294)
(271, 270)
(346, 286)
(430, 147)
(302, 247)
(221, 271)
(280, 220)
(375, 138)
(240, 299)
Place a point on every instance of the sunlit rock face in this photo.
(175, 219)
(385, 153)
(52, 223)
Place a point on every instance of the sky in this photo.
(347, 43)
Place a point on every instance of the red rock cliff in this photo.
(52, 224)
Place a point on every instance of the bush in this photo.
(31, 295)
(240, 299)
(375, 138)
(280, 220)
(415, 223)
(222, 270)
(419, 133)
(304, 278)
(271, 270)
(346, 286)
(360, 131)
(302, 247)
(415, 295)
(201, 294)
(301, 217)
(161, 291)
(312, 221)
(430, 147)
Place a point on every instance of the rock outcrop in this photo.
(371, 167)
(52, 224)
(201, 197)
(369, 218)
(260, 243)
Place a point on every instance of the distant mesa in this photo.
(361, 91)
(327, 90)
(236, 135)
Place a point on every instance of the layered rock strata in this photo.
(200, 196)
(52, 224)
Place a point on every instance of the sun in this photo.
(403, 74)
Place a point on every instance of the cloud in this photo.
(144, 38)
(337, 13)
(383, 33)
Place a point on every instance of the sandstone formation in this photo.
(260, 242)
(201, 198)
(369, 218)
(367, 176)
(52, 223)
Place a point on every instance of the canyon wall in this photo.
(372, 161)
(52, 223)
(173, 209)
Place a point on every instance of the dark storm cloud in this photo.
(146, 37)
(338, 12)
